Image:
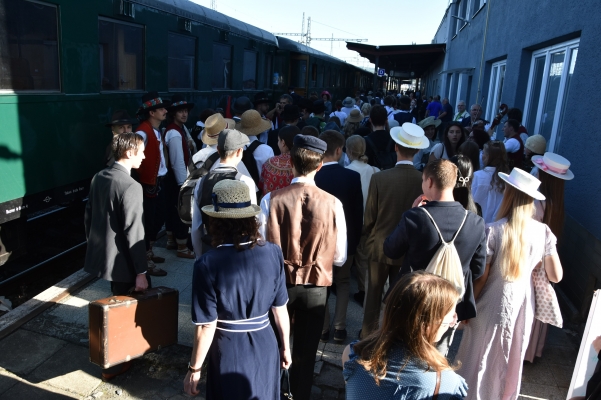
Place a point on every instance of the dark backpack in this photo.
(384, 159)
(250, 163)
(402, 117)
(206, 196)
(186, 192)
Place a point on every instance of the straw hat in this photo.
(213, 126)
(429, 121)
(554, 164)
(231, 199)
(252, 124)
(524, 182)
(410, 135)
(355, 116)
(536, 144)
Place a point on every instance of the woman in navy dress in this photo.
(234, 287)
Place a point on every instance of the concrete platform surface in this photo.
(47, 358)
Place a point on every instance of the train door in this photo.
(298, 73)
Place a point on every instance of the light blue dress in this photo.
(413, 382)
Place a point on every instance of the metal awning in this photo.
(416, 58)
(466, 70)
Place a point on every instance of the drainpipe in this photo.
(482, 56)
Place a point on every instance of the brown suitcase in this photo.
(122, 328)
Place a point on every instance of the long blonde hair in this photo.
(518, 208)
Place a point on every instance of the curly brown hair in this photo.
(234, 230)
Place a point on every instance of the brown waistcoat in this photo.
(302, 222)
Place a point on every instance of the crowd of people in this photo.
(291, 200)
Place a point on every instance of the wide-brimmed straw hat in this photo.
(355, 116)
(231, 199)
(213, 126)
(524, 182)
(554, 164)
(410, 135)
(252, 124)
(429, 121)
(121, 117)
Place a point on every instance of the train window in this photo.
(327, 79)
(182, 56)
(222, 66)
(268, 70)
(320, 73)
(278, 74)
(121, 55)
(29, 46)
(313, 75)
(299, 73)
(249, 70)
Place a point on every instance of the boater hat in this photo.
(151, 101)
(178, 103)
(252, 124)
(121, 117)
(213, 126)
(231, 199)
(429, 121)
(524, 182)
(554, 164)
(410, 135)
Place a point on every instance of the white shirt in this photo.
(484, 194)
(341, 244)
(341, 116)
(173, 140)
(440, 151)
(512, 145)
(197, 229)
(460, 115)
(366, 171)
(347, 110)
(163, 166)
(261, 153)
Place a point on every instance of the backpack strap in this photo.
(438, 230)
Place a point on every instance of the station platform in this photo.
(47, 357)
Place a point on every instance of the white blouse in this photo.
(484, 194)
(366, 171)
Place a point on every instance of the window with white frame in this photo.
(478, 4)
(549, 81)
(462, 8)
(495, 89)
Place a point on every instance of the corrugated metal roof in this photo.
(206, 16)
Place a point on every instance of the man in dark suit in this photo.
(345, 185)
(114, 228)
(416, 238)
(391, 193)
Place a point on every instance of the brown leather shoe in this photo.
(124, 368)
(186, 253)
(155, 271)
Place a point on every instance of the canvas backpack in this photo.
(446, 262)
(186, 192)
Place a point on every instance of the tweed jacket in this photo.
(114, 226)
(391, 193)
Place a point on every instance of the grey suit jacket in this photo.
(391, 193)
(114, 226)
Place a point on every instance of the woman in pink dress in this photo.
(552, 170)
(277, 171)
(494, 343)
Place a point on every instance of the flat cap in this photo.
(231, 139)
(310, 143)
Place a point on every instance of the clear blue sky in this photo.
(384, 22)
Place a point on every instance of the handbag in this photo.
(546, 306)
(285, 385)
